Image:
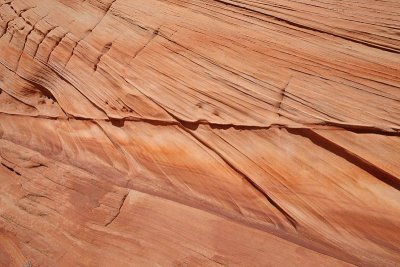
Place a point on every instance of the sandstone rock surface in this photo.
(199, 133)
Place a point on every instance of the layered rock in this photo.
(199, 133)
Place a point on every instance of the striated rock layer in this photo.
(199, 133)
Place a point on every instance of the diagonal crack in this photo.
(101, 19)
(342, 152)
(11, 169)
(289, 218)
(44, 37)
(154, 35)
(59, 40)
(184, 127)
(104, 51)
(283, 96)
(119, 209)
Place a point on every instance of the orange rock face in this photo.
(199, 133)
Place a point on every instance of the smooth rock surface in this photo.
(199, 133)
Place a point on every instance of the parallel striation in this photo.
(199, 133)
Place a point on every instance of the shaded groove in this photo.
(11, 169)
(340, 151)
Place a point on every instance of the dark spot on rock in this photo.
(118, 122)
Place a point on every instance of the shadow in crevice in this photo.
(117, 122)
(340, 151)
